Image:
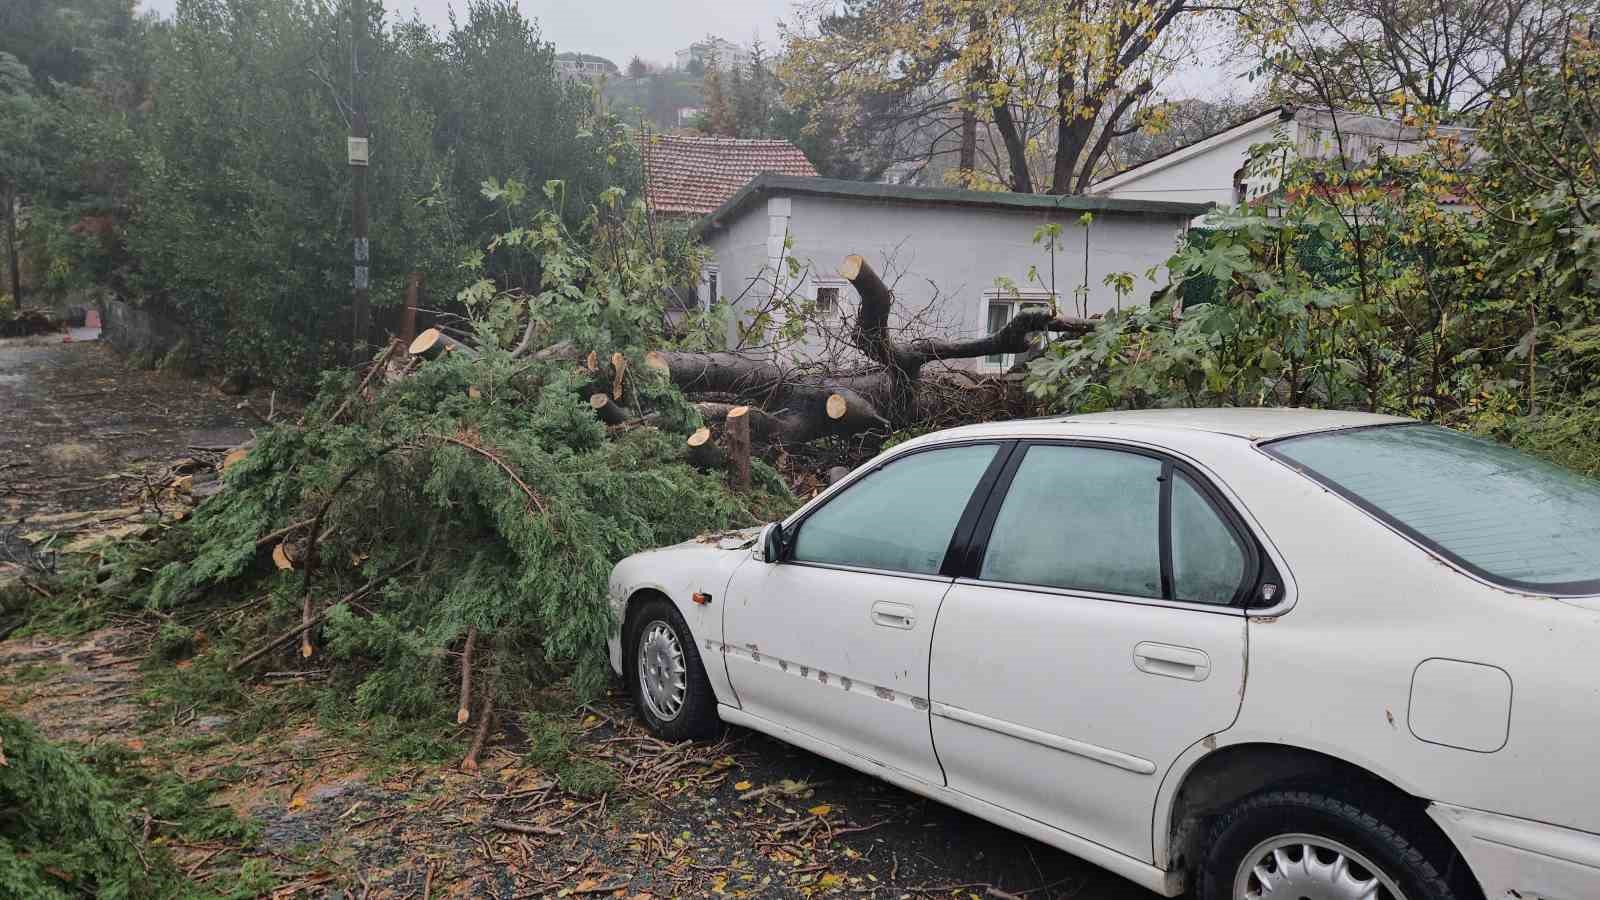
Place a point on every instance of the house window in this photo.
(1000, 308)
(713, 288)
(826, 301)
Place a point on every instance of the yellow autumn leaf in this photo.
(820, 810)
(742, 786)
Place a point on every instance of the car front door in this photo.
(832, 639)
(1100, 635)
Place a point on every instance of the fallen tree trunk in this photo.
(788, 404)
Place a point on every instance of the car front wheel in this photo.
(1303, 845)
(665, 675)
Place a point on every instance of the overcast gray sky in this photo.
(618, 29)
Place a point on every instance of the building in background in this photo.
(727, 54)
(585, 66)
(962, 263)
(1213, 169)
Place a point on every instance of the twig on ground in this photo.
(540, 830)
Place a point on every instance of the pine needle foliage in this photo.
(62, 833)
(474, 492)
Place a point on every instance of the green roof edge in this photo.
(770, 183)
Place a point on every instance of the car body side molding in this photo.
(1084, 749)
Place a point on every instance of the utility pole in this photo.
(361, 296)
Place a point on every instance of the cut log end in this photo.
(851, 267)
(703, 452)
(607, 410)
(838, 406)
(462, 715)
(433, 343)
(424, 342)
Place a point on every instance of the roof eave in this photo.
(1188, 151)
(770, 183)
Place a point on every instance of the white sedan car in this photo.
(1252, 653)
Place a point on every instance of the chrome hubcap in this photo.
(1308, 867)
(662, 674)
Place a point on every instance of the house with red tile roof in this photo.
(690, 175)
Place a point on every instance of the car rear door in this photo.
(1100, 633)
(832, 640)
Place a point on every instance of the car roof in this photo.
(1253, 423)
(1247, 423)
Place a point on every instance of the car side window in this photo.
(1208, 563)
(1084, 518)
(900, 517)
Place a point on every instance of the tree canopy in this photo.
(1049, 85)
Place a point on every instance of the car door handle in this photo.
(893, 615)
(1172, 662)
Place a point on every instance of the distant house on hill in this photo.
(1212, 170)
(585, 66)
(689, 175)
(727, 54)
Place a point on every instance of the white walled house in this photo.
(961, 262)
(725, 53)
(1212, 170)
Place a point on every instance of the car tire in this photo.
(1267, 835)
(670, 692)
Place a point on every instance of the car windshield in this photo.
(1504, 515)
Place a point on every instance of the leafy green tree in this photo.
(21, 154)
(64, 41)
(242, 219)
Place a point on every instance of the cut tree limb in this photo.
(736, 435)
(619, 367)
(1018, 336)
(607, 411)
(432, 343)
(703, 451)
(486, 714)
(852, 413)
(361, 389)
(295, 632)
(463, 709)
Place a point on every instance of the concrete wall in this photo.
(944, 261)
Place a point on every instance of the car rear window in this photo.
(1506, 516)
